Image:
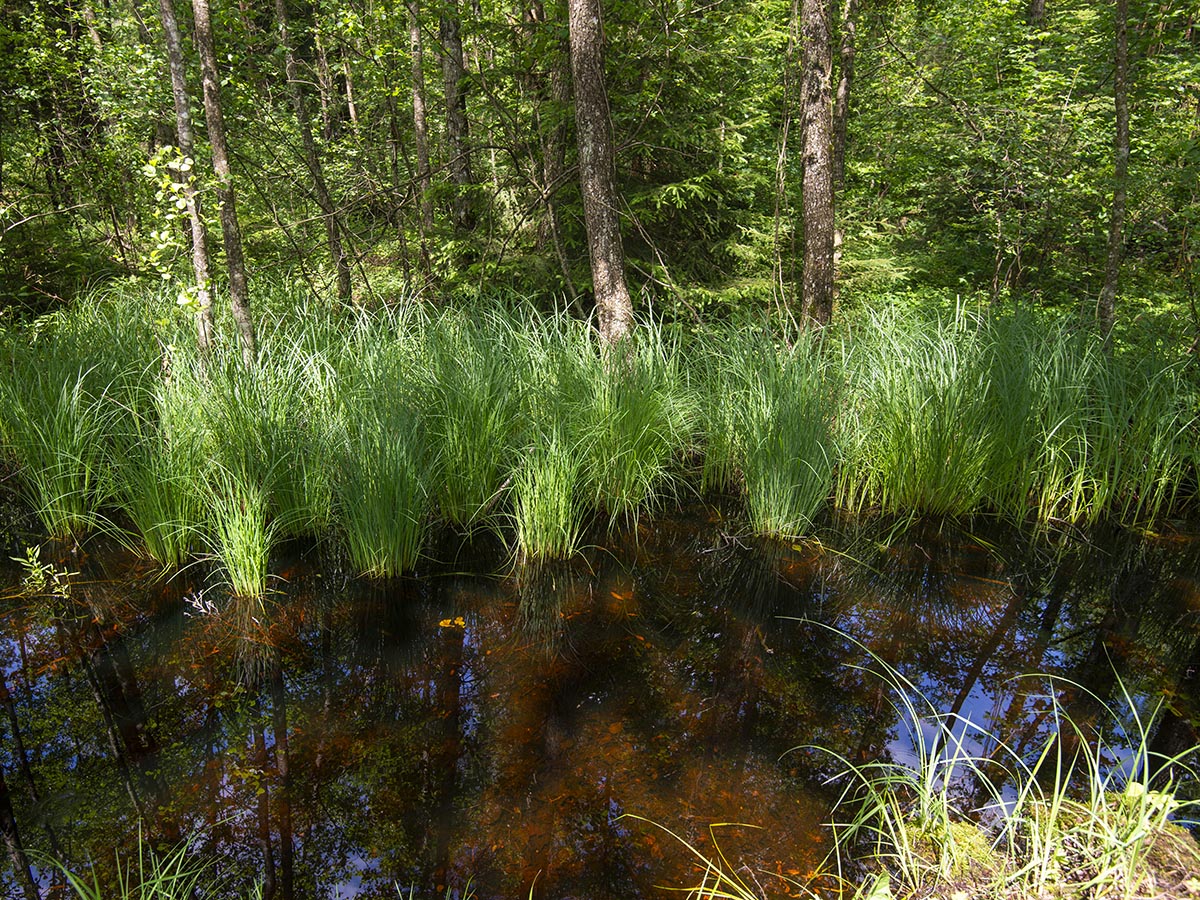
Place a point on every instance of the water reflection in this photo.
(345, 737)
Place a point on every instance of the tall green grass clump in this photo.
(58, 422)
(632, 413)
(383, 461)
(240, 531)
(472, 407)
(916, 430)
(547, 493)
(720, 357)
(787, 408)
(1081, 433)
(271, 425)
(767, 413)
(159, 471)
(546, 502)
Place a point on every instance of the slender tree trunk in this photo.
(783, 281)
(454, 75)
(311, 157)
(1035, 13)
(1106, 305)
(187, 146)
(816, 58)
(348, 77)
(93, 26)
(238, 294)
(420, 124)
(841, 105)
(325, 88)
(597, 171)
(552, 140)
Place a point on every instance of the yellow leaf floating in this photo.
(456, 622)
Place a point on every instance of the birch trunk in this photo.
(226, 196)
(312, 158)
(201, 265)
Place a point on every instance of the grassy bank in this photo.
(375, 427)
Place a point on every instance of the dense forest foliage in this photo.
(387, 150)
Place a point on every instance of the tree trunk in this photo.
(238, 294)
(313, 160)
(420, 126)
(325, 87)
(1035, 13)
(841, 106)
(597, 171)
(552, 139)
(1106, 305)
(816, 58)
(453, 75)
(201, 266)
(348, 77)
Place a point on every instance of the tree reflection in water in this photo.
(466, 726)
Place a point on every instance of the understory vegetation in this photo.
(374, 427)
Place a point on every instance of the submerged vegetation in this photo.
(375, 426)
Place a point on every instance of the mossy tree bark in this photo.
(597, 171)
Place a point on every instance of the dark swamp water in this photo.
(475, 728)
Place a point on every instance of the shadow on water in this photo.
(468, 727)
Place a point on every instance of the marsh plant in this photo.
(240, 532)
(916, 425)
(1071, 820)
(177, 874)
(546, 502)
(58, 422)
(472, 408)
(269, 424)
(785, 424)
(479, 418)
(634, 420)
(381, 490)
(159, 472)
